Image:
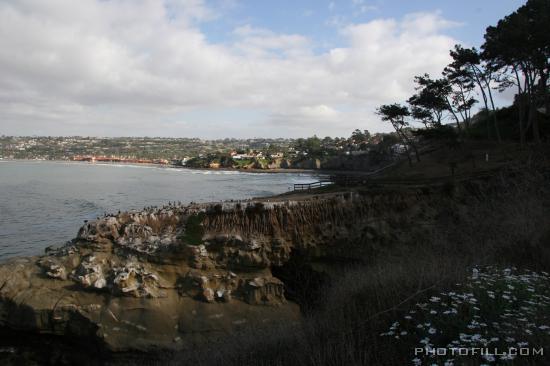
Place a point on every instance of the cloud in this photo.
(257, 42)
(315, 114)
(362, 7)
(124, 67)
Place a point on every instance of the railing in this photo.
(309, 186)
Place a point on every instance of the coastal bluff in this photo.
(172, 276)
(180, 275)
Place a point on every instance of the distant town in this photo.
(257, 153)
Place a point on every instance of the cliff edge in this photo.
(176, 276)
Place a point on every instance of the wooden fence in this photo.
(309, 186)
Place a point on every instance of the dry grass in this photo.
(508, 226)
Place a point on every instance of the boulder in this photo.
(134, 280)
(89, 274)
(264, 291)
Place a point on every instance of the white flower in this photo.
(507, 357)
(432, 330)
(489, 358)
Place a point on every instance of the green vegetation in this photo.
(515, 54)
(193, 229)
(205, 154)
(482, 124)
(475, 276)
(242, 163)
(457, 262)
(65, 148)
(495, 309)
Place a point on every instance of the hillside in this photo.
(284, 277)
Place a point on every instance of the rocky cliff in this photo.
(176, 276)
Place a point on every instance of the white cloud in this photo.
(124, 67)
(263, 42)
(362, 7)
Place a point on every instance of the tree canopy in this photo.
(516, 52)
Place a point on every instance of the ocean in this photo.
(44, 203)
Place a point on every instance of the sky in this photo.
(222, 68)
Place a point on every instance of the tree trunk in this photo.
(455, 116)
(408, 155)
(520, 108)
(542, 91)
(409, 142)
(416, 153)
(406, 148)
(487, 114)
(466, 117)
(532, 120)
(495, 122)
(403, 141)
(479, 75)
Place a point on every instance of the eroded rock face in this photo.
(133, 279)
(57, 271)
(89, 274)
(264, 290)
(142, 279)
(107, 228)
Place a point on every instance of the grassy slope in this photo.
(502, 229)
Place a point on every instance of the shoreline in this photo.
(170, 175)
(170, 166)
(273, 171)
